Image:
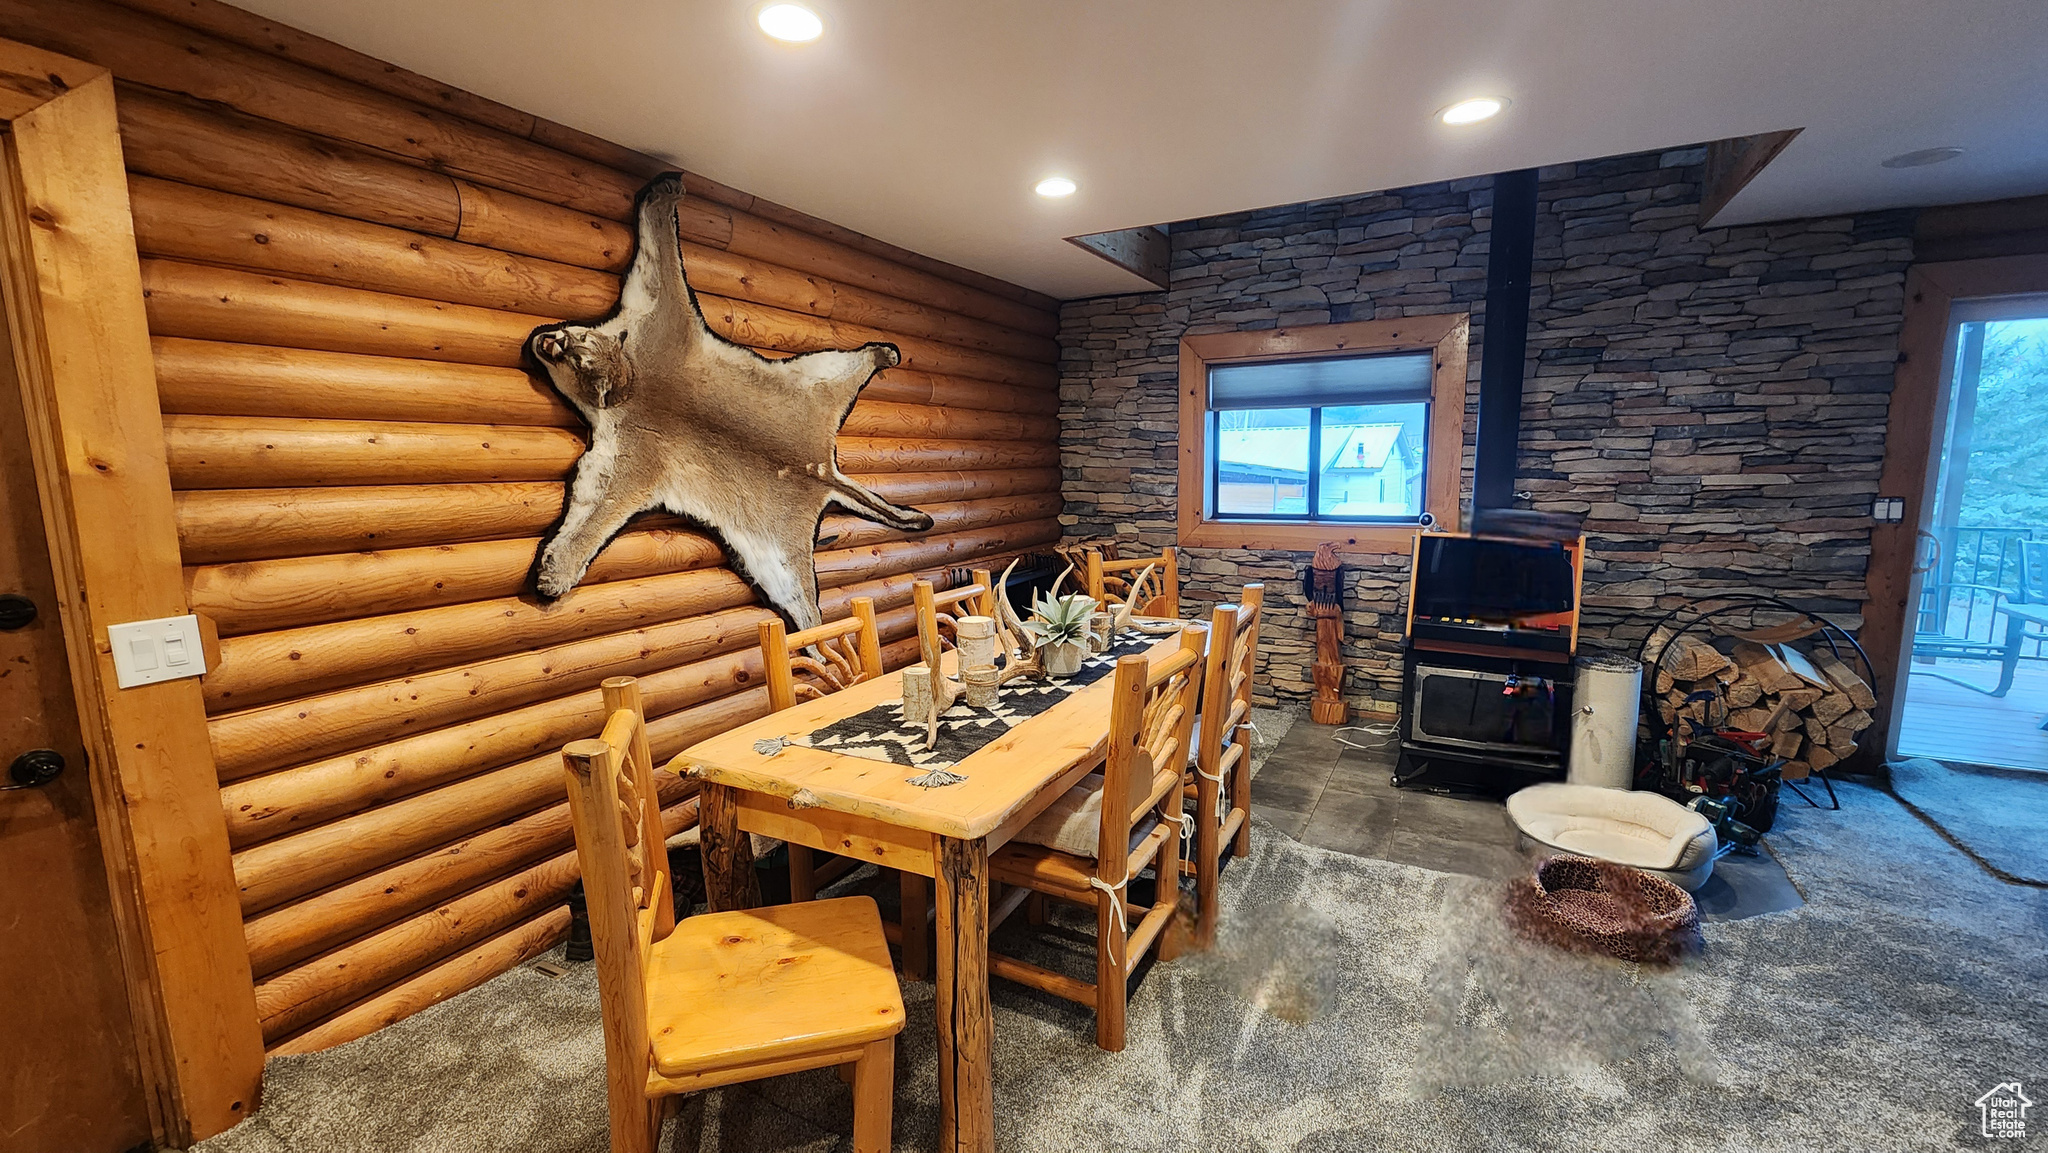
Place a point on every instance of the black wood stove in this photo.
(1486, 685)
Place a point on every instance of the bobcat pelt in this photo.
(684, 420)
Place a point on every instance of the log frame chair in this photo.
(1102, 574)
(1152, 711)
(721, 998)
(1222, 754)
(936, 611)
(849, 651)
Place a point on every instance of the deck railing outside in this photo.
(1988, 556)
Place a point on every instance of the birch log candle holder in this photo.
(917, 695)
(976, 643)
(982, 684)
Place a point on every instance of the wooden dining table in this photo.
(869, 810)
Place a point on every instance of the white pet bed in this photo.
(1642, 830)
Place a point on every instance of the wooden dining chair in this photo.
(1219, 779)
(725, 997)
(1109, 586)
(848, 652)
(1087, 846)
(938, 611)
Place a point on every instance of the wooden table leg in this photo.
(729, 880)
(967, 1118)
(917, 925)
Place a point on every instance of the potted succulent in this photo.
(1060, 626)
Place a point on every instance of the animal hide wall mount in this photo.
(684, 420)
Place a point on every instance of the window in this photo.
(1334, 438)
(1347, 432)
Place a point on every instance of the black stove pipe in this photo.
(1512, 248)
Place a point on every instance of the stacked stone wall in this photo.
(1713, 400)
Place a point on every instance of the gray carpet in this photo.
(2001, 818)
(1351, 1004)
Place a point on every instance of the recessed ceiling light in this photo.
(1054, 187)
(792, 22)
(1923, 157)
(1474, 110)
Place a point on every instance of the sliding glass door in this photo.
(1976, 677)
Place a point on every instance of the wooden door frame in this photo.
(1931, 293)
(79, 337)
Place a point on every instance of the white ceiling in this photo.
(926, 123)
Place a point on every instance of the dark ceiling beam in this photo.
(1143, 252)
(1733, 163)
(2016, 227)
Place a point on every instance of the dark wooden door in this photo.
(69, 1077)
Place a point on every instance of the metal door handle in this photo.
(32, 768)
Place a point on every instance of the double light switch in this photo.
(165, 649)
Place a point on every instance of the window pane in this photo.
(1373, 460)
(1389, 378)
(1262, 462)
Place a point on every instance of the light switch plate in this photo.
(165, 649)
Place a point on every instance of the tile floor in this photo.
(1322, 793)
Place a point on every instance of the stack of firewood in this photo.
(1811, 704)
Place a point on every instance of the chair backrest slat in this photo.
(850, 652)
(1108, 587)
(1227, 682)
(616, 814)
(936, 620)
(1152, 710)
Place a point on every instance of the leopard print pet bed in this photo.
(1591, 906)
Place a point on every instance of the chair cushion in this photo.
(1639, 829)
(1073, 823)
(732, 989)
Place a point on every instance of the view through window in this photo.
(1333, 438)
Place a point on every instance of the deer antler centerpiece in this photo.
(1015, 646)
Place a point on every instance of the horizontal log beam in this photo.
(289, 1001)
(194, 300)
(214, 452)
(911, 387)
(293, 800)
(922, 488)
(211, 303)
(277, 871)
(181, 140)
(457, 974)
(293, 932)
(264, 667)
(155, 52)
(205, 226)
(259, 596)
(266, 452)
(190, 223)
(216, 148)
(214, 378)
(227, 525)
(220, 526)
(293, 732)
(871, 454)
(250, 30)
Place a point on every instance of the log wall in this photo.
(340, 264)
